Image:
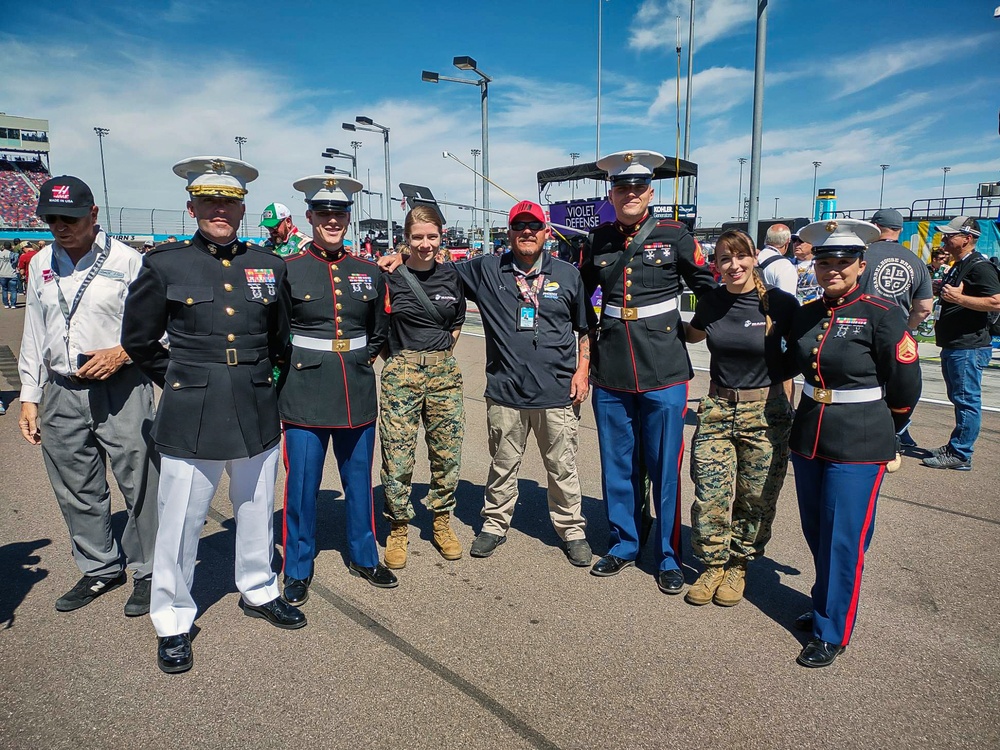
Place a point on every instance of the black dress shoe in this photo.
(276, 612)
(379, 576)
(819, 653)
(670, 581)
(173, 654)
(609, 565)
(804, 622)
(296, 591)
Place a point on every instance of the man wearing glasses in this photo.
(534, 314)
(82, 399)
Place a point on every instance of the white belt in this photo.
(853, 396)
(635, 313)
(329, 345)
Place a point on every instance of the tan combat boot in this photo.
(730, 592)
(704, 588)
(444, 538)
(395, 546)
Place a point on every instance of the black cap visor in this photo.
(852, 251)
(340, 206)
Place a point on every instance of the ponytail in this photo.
(758, 283)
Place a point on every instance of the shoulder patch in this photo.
(699, 256)
(167, 246)
(662, 223)
(906, 349)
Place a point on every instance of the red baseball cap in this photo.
(527, 207)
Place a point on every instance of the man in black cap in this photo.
(894, 272)
(969, 293)
(224, 304)
(82, 400)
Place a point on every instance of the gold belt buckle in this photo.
(630, 313)
(341, 345)
(231, 359)
(822, 395)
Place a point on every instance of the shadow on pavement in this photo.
(767, 593)
(18, 576)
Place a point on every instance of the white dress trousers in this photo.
(187, 487)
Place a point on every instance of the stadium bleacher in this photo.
(17, 197)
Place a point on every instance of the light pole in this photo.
(816, 166)
(757, 135)
(881, 189)
(475, 155)
(240, 140)
(944, 181)
(739, 202)
(574, 155)
(776, 208)
(483, 82)
(689, 181)
(332, 153)
(101, 132)
(366, 123)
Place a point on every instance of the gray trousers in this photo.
(82, 427)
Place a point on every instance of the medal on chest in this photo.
(259, 279)
(360, 282)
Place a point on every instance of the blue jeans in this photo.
(962, 370)
(8, 291)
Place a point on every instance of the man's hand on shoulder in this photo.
(390, 263)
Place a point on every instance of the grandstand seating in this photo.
(17, 198)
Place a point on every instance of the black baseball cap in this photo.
(65, 196)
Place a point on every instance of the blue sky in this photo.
(851, 84)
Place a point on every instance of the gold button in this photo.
(337, 291)
(829, 313)
(230, 311)
(270, 379)
(189, 301)
(228, 287)
(628, 296)
(298, 365)
(265, 300)
(333, 266)
(816, 378)
(336, 279)
(628, 283)
(668, 328)
(177, 385)
(815, 350)
(308, 296)
(815, 365)
(226, 262)
(339, 306)
(820, 337)
(825, 326)
(231, 337)
(338, 318)
(658, 261)
(604, 263)
(339, 332)
(628, 270)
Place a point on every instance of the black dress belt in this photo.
(231, 357)
(72, 381)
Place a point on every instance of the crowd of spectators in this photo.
(17, 198)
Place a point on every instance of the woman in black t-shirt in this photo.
(739, 453)
(421, 383)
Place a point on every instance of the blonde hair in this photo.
(422, 214)
(735, 242)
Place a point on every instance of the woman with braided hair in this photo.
(739, 452)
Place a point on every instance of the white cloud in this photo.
(655, 26)
(715, 89)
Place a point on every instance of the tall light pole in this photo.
(600, 45)
(475, 155)
(816, 166)
(101, 132)
(739, 202)
(332, 153)
(758, 118)
(944, 182)
(689, 182)
(240, 140)
(881, 189)
(465, 62)
(366, 123)
(574, 155)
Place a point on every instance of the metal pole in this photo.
(758, 119)
(357, 225)
(484, 86)
(388, 193)
(689, 181)
(816, 166)
(475, 189)
(101, 132)
(574, 156)
(240, 140)
(944, 181)
(600, 41)
(881, 190)
(776, 208)
(739, 198)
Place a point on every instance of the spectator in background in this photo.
(171, 238)
(894, 273)
(8, 276)
(808, 288)
(776, 270)
(24, 261)
(147, 246)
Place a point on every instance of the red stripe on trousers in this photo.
(853, 609)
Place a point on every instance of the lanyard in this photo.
(529, 293)
(67, 311)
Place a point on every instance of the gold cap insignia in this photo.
(629, 157)
(330, 183)
(218, 166)
(831, 226)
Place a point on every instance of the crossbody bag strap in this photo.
(422, 297)
(626, 257)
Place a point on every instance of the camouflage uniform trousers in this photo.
(413, 394)
(739, 456)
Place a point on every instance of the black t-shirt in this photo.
(410, 326)
(528, 369)
(742, 356)
(959, 327)
(894, 273)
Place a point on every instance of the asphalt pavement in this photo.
(520, 650)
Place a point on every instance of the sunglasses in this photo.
(520, 226)
(54, 219)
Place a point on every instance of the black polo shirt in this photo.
(525, 370)
(959, 327)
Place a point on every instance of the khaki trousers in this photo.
(557, 433)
